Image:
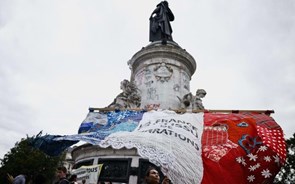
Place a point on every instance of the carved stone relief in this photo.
(176, 87)
(163, 72)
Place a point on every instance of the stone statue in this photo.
(160, 28)
(197, 102)
(186, 101)
(129, 98)
(189, 101)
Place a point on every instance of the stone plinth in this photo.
(90, 151)
(162, 73)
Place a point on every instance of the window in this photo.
(115, 170)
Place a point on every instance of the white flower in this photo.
(257, 165)
(262, 148)
(266, 173)
(252, 168)
(241, 160)
(251, 178)
(252, 157)
(267, 158)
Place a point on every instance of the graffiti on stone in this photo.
(152, 94)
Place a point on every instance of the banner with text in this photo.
(88, 173)
(169, 140)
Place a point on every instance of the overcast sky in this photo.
(60, 57)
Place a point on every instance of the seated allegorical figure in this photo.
(129, 98)
(192, 102)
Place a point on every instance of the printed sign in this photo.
(88, 173)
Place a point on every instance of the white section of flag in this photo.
(169, 140)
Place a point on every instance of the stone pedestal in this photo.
(162, 73)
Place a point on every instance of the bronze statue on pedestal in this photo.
(160, 28)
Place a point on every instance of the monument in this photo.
(157, 121)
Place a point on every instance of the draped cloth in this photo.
(239, 148)
(189, 148)
(168, 140)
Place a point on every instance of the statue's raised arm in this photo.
(160, 28)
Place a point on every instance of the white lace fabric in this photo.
(169, 140)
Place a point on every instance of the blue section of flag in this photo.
(49, 145)
(101, 122)
(95, 127)
(85, 127)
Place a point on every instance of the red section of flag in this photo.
(241, 148)
(274, 139)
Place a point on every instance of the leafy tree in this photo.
(24, 159)
(287, 173)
